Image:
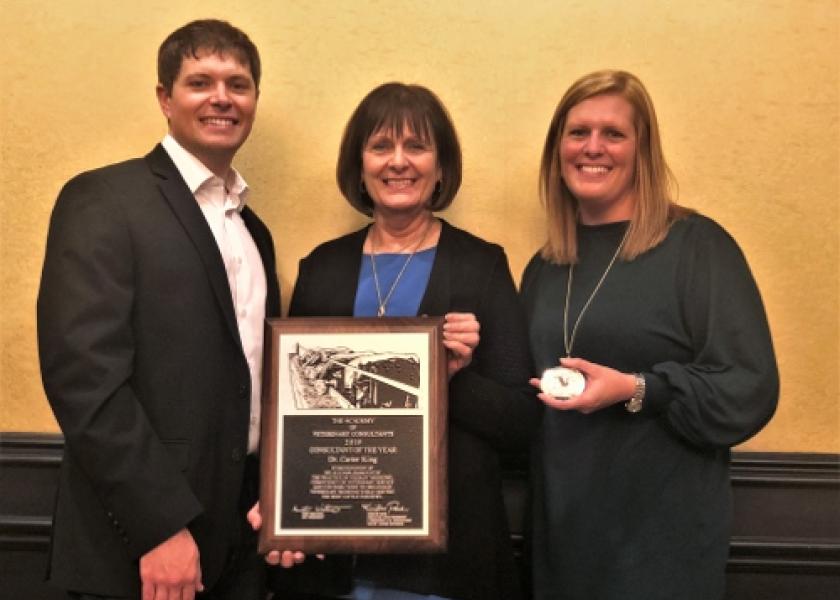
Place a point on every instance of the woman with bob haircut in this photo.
(400, 162)
(665, 362)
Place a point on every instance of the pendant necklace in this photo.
(568, 341)
(565, 382)
(383, 302)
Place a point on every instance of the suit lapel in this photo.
(183, 204)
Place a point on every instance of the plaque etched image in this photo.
(353, 453)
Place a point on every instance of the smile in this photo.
(593, 169)
(219, 121)
(399, 183)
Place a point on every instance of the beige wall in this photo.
(747, 94)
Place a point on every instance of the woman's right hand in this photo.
(604, 387)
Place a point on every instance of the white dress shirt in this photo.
(221, 202)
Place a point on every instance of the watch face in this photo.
(633, 405)
(562, 382)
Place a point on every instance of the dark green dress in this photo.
(639, 505)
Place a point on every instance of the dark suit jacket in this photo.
(492, 408)
(143, 366)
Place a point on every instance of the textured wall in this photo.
(747, 95)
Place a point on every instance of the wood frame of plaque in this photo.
(354, 436)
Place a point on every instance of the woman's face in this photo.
(598, 157)
(399, 173)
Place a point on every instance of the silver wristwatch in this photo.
(634, 404)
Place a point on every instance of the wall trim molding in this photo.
(783, 556)
(755, 547)
(786, 468)
(30, 449)
(24, 533)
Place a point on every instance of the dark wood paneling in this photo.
(785, 544)
(28, 478)
(29, 470)
(787, 523)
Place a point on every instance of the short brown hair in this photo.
(654, 183)
(209, 35)
(394, 106)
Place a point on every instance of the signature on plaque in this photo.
(389, 514)
(316, 513)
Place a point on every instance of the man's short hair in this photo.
(207, 35)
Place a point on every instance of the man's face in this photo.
(211, 107)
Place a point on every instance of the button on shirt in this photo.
(221, 202)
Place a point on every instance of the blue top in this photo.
(406, 298)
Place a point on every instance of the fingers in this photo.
(291, 559)
(470, 338)
(165, 592)
(460, 338)
(287, 558)
(584, 366)
(459, 355)
(159, 591)
(463, 331)
(463, 327)
(460, 349)
(255, 517)
(172, 569)
(187, 593)
(572, 403)
(456, 319)
(199, 584)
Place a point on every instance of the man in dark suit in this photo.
(156, 282)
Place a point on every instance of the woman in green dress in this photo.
(665, 361)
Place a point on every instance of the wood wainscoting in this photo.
(785, 543)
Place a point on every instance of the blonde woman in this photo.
(665, 362)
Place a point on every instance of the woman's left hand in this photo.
(287, 558)
(604, 387)
(460, 337)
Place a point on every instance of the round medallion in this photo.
(562, 382)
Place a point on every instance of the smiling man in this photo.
(156, 282)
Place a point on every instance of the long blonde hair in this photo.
(654, 211)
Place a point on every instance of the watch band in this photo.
(634, 404)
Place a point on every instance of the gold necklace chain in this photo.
(383, 303)
(568, 342)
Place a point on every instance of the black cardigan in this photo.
(491, 408)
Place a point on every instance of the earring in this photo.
(438, 186)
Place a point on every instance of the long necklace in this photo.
(383, 303)
(569, 341)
